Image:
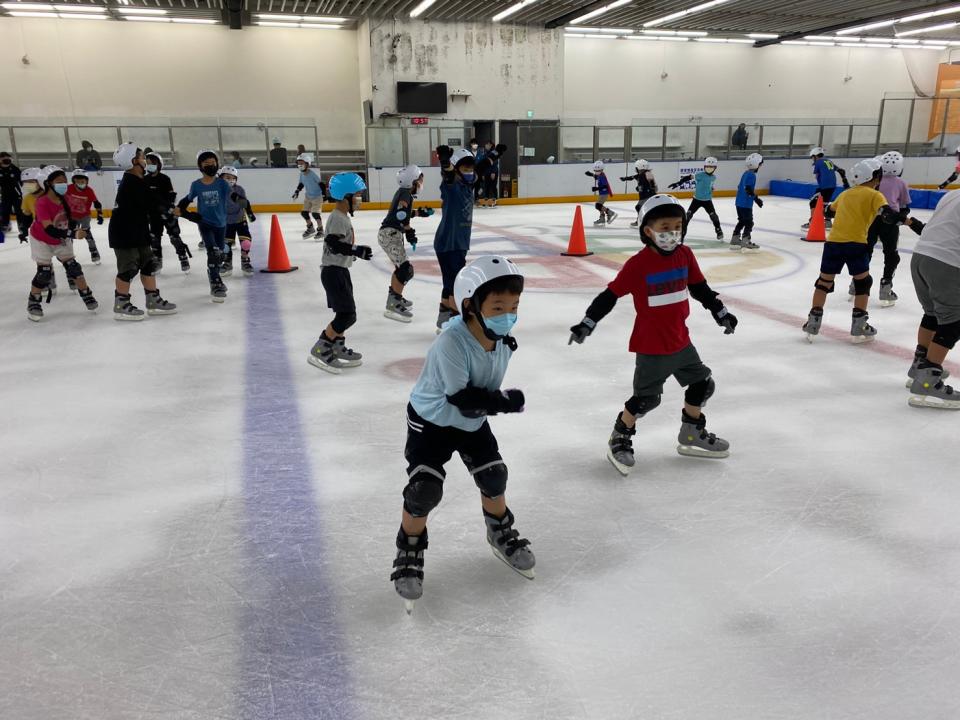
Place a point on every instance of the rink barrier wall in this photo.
(920, 199)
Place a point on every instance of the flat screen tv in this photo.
(417, 97)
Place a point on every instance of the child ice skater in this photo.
(316, 191)
(458, 388)
(51, 236)
(601, 186)
(81, 198)
(211, 193)
(238, 212)
(451, 242)
(330, 352)
(646, 185)
(703, 193)
(661, 277)
(846, 246)
(746, 198)
(826, 173)
(396, 229)
(32, 189)
(954, 174)
(161, 214)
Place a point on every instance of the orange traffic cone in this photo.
(817, 232)
(577, 247)
(278, 262)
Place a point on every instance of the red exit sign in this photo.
(420, 120)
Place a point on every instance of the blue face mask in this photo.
(501, 324)
(60, 188)
(468, 177)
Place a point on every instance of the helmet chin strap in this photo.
(508, 340)
(349, 199)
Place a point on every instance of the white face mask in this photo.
(151, 168)
(302, 168)
(80, 185)
(667, 241)
(230, 182)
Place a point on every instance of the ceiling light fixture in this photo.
(662, 38)
(931, 28)
(515, 8)
(599, 11)
(861, 28)
(418, 10)
(195, 21)
(684, 13)
(762, 36)
(932, 13)
(140, 11)
(79, 8)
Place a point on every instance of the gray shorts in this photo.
(653, 370)
(938, 288)
(44, 253)
(391, 240)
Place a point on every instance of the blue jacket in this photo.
(826, 173)
(456, 223)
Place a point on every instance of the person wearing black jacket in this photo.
(10, 193)
(161, 215)
(130, 237)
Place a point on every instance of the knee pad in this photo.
(598, 206)
(862, 286)
(491, 479)
(947, 335)
(128, 275)
(640, 406)
(424, 491)
(245, 244)
(929, 322)
(73, 269)
(824, 285)
(343, 321)
(43, 277)
(150, 267)
(698, 393)
(214, 257)
(404, 272)
(317, 217)
(305, 215)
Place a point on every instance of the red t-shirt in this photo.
(658, 284)
(48, 210)
(80, 201)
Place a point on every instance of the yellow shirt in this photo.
(29, 203)
(855, 209)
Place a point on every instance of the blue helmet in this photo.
(344, 184)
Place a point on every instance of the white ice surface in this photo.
(813, 574)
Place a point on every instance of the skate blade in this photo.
(861, 339)
(161, 312)
(395, 316)
(34, 318)
(129, 318)
(218, 299)
(185, 272)
(749, 251)
(528, 574)
(248, 273)
(735, 248)
(693, 451)
(620, 467)
(226, 273)
(96, 262)
(350, 363)
(887, 303)
(809, 337)
(408, 606)
(925, 401)
(323, 366)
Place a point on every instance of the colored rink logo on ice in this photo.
(667, 288)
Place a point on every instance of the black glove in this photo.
(252, 217)
(889, 216)
(626, 179)
(595, 188)
(588, 173)
(580, 331)
(444, 153)
(513, 401)
(477, 402)
(99, 218)
(296, 194)
(758, 201)
(943, 186)
(425, 212)
(501, 149)
(916, 225)
(411, 235)
(674, 186)
(363, 252)
(23, 238)
(725, 319)
(192, 216)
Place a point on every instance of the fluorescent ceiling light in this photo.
(140, 11)
(574, 35)
(602, 30)
(321, 26)
(861, 28)
(762, 36)
(146, 18)
(27, 6)
(195, 21)
(684, 13)
(515, 8)
(928, 47)
(79, 8)
(663, 38)
(725, 40)
(85, 16)
(33, 14)
(794, 42)
(687, 33)
(267, 23)
(822, 44)
(828, 38)
(932, 13)
(600, 11)
(312, 26)
(287, 18)
(858, 45)
(932, 28)
(322, 19)
(418, 10)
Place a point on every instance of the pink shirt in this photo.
(896, 191)
(48, 210)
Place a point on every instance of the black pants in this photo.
(10, 205)
(706, 205)
(157, 226)
(490, 187)
(826, 194)
(643, 197)
(889, 237)
(451, 263)
(744, 221)
(336, 281)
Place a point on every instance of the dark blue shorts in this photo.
(856, 257)
(451, 263)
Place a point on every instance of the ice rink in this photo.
(196, 524)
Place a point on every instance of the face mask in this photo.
(5, 161)
(31, 186)
(302, 168)
(152, 168)
(208, 170)
(501, 324)
(667, 241)
(710, 171)
(469, 177)
(231, 183)
(60, 188)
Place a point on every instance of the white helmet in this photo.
(481, 271)
(46, 172)
(864, 171)
(305, 158)
(642, 165)
(598, 166)
(892, 163)
(206, 153)
(754, 161)
(32, 173)
(710, 162)
(658, 201)
(78, 173)
(957, 151)
(124, 155)
(408, 176)
(229, 170)
(814, 151)
(461, 155)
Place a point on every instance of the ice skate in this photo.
(620, 447)
(635, 223)
(89, 300)
(407, 576)
(888, 298)
(245, 265)
(443, 316)
(226, 269)
(812, 326)
(805, 226)
(861, 330)
(218, 291)
(347, 356)
(95, 256)
(156, 305)
(912, 372)
(508, 545)
(611, 216)
(735, 242)
(719, 234)
(601, 221)
(396, 309)
(123, 309)
(201, 246)
(929, 390)
(695, 441)
(747, 246)
(406, 303)
(323, 355)
(35, 307)
(828, 224)
(309, 232)
(184, 263)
